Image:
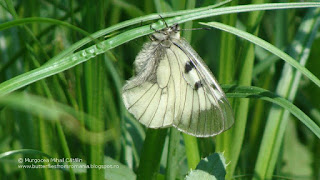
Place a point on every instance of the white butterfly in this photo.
(174, 87)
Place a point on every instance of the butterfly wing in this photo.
(215, 113)
(174, 88)
(151, 95)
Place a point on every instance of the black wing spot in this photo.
(188, 67)
(198, 85)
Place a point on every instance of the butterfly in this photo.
(174, 87)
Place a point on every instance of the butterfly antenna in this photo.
(203, 28)
(154, 29)
(164, 20)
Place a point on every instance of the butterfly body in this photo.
(173, 87)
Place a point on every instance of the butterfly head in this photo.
(170, 32)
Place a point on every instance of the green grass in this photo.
(63, 65)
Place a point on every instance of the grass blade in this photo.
(151, 154)
(287, 87)
(262, 43)
(65, 61)
(233, 91)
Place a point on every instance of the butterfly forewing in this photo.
(211, 86)
(206, 116)
(173, 87)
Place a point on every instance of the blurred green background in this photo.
(78, 113)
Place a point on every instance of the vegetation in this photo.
(63, 64)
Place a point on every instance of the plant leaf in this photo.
(264, 44)
(212, 167)
(66, 60)
(234, 91)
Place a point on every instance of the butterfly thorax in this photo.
(165, 36)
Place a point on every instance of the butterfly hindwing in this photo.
(150, 96)
(176, 78)
(169, 115)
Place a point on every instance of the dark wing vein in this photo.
(165, 112)
(184, 105)
(148, 104)
(140, 96)
(156, 108)
(199, 119)
(174, 85)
